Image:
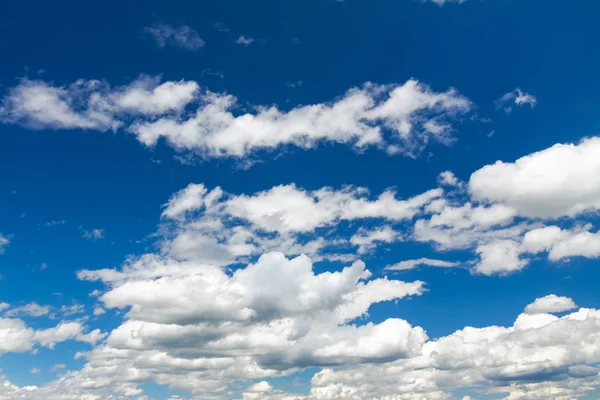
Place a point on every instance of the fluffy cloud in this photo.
(90, 104)
(550, 304)
(412, 112)
(17, 337)
(182, 36)
(559, 181)
(561, 243)
(396, 118)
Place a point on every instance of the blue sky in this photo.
(294, 200)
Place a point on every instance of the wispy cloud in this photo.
(183, 36)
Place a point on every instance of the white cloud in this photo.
(260, 387)
(35, 371)
(99, 311)
(16, 337)
(499, 257)
(4, 242)
(31, 309)
(550, 304)
(517, 97)
(366, 239)
(395, 118)
(94, 234)
(90, 104)
(559, 181)
(182, 36)
(288, 208)
(357, 119)
(412, 264)
(447, 178)
(244, 41)
(58, 367)
(561, 244)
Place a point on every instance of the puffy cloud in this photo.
(559, 181)
(539, 357)
(16, 337)
(396, 118)
(35, 371)
(412, 112)
(91, 104)
(560, 243)
(412, 264)
(196, 328)
(499, 257)
(288, 208)
(193, 197)
(550, 304)
(182, 36)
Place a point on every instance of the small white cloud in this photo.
(50, 224)
(550, 304)
(183, 36)
(517, 97)
(94, 234)
(412, 264)
(32, 309)
(35, 371)
(260, 387)
(99, 311)
(244, 41)
(4, 242)
(447, 178)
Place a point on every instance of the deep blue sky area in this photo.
(304, 52)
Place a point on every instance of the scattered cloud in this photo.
(32, 309)
(182, 36)
(93, 234)
(244, 41)
(412, 264)
(516, 97)
(4, 242)
(35, 371)
(398, 119)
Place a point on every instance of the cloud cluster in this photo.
(395, 118)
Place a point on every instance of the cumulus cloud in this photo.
(552, 183)
(182, 36)
(550, 304)
(17, 337)
(561, 243)
(92, 104)
(399, 119)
